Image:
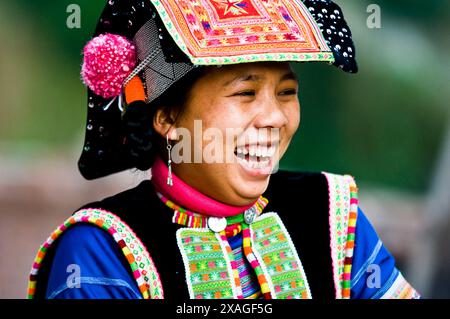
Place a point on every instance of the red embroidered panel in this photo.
(218, 28)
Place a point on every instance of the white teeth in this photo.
(259, 156)
(252, 150)
(254, 162)
(264, 151)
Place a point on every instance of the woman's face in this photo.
(241, 119)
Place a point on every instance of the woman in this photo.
(211, 105)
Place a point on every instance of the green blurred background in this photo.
(384, 125)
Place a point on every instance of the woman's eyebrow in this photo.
(255, 78)
(289, 76)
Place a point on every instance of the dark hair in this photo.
(137, 122)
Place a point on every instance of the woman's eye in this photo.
(289, 92)
(245, 93)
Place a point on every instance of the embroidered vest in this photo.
(303, 242)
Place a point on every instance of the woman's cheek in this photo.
(293, 116)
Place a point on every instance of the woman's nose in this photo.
(270, 113)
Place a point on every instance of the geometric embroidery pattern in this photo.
(207, 265)
(237, 31)
(280, 261)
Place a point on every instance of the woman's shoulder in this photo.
(83, 236)
(87, 257)
(89, 237)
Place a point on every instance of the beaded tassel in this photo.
(169, 162)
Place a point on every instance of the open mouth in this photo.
(255, 156)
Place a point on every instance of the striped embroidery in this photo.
(342, 218)
(350, 242)
(183, 216)
(249, 283)
(249, 253)
(142, 266)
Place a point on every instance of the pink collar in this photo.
(188, 197)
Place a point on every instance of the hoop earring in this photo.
(169, 162)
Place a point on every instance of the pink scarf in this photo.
(188, 197)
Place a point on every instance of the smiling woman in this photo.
(256, 101)
(202, 92)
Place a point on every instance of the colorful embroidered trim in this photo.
(142, 266)
(401, 289)
(342, 216)
(249, 283)
(235, 224)
(248, 252)
(350, 242)
(234, 267)
(280, 263)
(183, 216)
(225, 32)
(212, 271)
(205, 270)
(233, 230)
(191, 219)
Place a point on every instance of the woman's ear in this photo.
(164, 125)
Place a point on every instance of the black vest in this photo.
(300, 199)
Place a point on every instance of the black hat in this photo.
(144, 44)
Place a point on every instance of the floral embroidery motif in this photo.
(207, 265)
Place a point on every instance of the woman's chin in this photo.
(251, 183)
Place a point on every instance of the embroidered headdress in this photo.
(142, 47)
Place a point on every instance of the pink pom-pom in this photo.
(108, 60)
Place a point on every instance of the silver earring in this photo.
(169, 162)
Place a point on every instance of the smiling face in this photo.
(259, 103)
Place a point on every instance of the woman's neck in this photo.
(188, 197)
